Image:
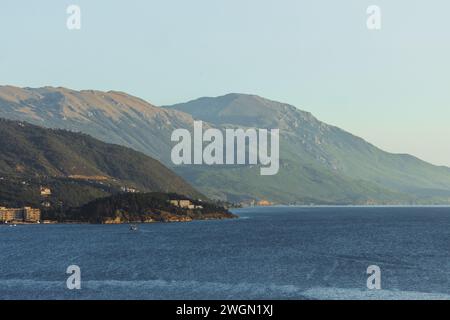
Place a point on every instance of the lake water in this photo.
(269, 253)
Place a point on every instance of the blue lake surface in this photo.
(269, 253)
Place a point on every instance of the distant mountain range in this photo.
(76, 167)
(320, 164)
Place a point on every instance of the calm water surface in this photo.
(269, 253)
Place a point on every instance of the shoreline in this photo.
(349, 206)
(14, 224)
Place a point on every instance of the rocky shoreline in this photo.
(167, 217)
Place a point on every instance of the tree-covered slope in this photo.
(31, 155)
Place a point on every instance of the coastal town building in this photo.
(45, 191)
(260, 203)
(128, 190)
(46, 204)
(185, 204)
(25, 214)
(264, 203)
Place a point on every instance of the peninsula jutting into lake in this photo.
(60, 176)
(146, 208)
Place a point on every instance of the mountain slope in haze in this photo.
(323, 161)
(34, 154)
(319, 163)
(113, 117)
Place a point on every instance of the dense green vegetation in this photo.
(18, 191)
(144, 207)
(76, 167)
(37, 152)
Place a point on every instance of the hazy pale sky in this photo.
(391, 87)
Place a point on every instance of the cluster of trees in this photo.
(136, 206)
(22, 190)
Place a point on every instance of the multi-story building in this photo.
(185, 204)
(7, 214)
(25, 214)
(31, 214)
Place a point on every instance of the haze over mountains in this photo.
(319, 163)
(113, 117)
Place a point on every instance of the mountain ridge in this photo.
(320, 163)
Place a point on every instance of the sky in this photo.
(389, 86)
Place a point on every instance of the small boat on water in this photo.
(133, 227)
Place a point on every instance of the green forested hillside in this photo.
(77, 167)
(145, 207)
